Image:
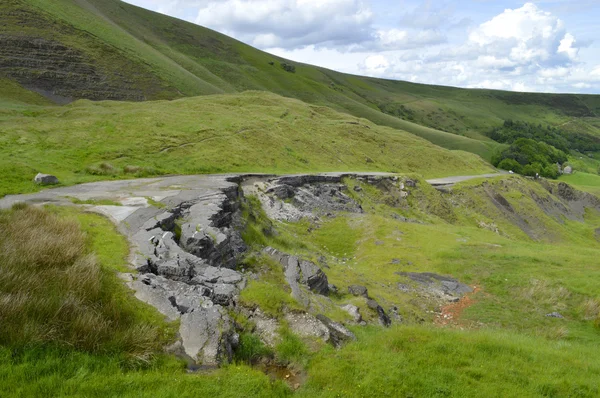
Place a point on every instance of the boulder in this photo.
(207, 335)
(306, 325)
(555, 315)
(338, 334)
(313, 277)
(265, 327)
(438, 285)
(358, 290)
(353, 311)
(223, 294)
(45, 179)
(384, 319)
(298, 271)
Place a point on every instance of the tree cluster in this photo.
(288, 67)
(560, 139)
(530, 157)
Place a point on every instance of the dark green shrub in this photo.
(288, 67)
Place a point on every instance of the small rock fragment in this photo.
(358, 290)
(45, 179)
(338, 334)
(384, 320)
(353, 311)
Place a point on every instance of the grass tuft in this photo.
(53, 290)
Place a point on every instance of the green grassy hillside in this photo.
(118, 51)
(249, 132)
(498, 341)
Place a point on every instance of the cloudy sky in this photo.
(545, 45)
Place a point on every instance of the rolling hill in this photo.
(107, 49)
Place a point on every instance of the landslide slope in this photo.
(107, 49)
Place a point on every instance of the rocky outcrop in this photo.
(354, 313)
(338, 333)
(187, 258)
(300, 272)
(436, 285)
(206, 331)
(291, 198)
(64, 63)
(384, 319)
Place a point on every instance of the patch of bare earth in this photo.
(450, 314)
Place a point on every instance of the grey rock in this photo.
(305, 197)
(395, 261)
(410, 183)
(358, 290)
(555, 315)
(384, 319)
(282, 191)
(395, 314)
(45, 179)
(338, 333)
(207, 335)
(353, 311)
(439, 285)
(306, 325)
(313, 277)
(211, 274)
(265, 327)
(297, 272)
(357, 188)
(205, 328)
(223, 294)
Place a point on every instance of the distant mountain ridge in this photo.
(107, 49)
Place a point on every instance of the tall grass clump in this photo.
(53, 290)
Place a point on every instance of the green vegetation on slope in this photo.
(507, 346)
(53, 289)
(529, 157)
(13, 95)
(559, 139)
(427, 362)
(585, 181)
(70, 327)
(160, 57)
(249, 132)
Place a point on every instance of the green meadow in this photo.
(250, 132)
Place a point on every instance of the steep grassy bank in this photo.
(250, 132)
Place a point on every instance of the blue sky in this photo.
(548, 45)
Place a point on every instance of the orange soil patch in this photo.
(450, 313)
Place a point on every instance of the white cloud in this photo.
(524, 36)
(290, 23)
(375, 65)
(522, 49)
(346, 25)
